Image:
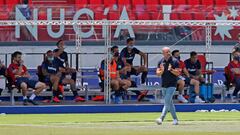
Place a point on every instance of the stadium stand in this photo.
(165, 2)
(193, 2)
(152, 5)
(180, 2)
(109, 3)
(137, 9)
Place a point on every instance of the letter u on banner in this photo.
(49, 27)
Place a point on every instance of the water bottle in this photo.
(85, 87)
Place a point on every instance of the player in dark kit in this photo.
(62, 58)
(128, 54)
(56, 74)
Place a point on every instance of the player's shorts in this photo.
(134, 71)
(48, 81)
(30, 83)
(187, 80)
(2, 71)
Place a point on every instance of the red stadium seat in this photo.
(193, 2)
(210, 16)
(152, 2)
(199, 16)
(30, 2)
(132, 16)
(2, 2)
(4, 16)
(108, 3)
(152, 5)
(174, 16)
(113, 16)
(96, 5)
(11, 4)
(81, 2)
(124, 2)
(99, 16)
(165, 2)
(143, 16)
(186, 16)
(221, 2)
(72, 2)
(194, 5)
(138, 2)
(138, 5)
(208, 2)
(220, 9)
(179, 2)
(95, 2)
(156, 16)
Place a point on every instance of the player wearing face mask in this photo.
(119, 84)
(234, 74)
(54, 73)
(127, 55)
(50, 71)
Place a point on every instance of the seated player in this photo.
(118, 85)
(237, 45)
(184, 78)
(62, 58)
(234, 74)
(50, 75)
(56, 74)
(125, 73)
(128, 54)
(3, 69)
(193, 66)
(3, 72)
(20, 76)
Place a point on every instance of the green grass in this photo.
(226, 123)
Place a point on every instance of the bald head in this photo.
(166, 52)
(165, 49)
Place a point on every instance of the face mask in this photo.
(116, 54)
(130, 47)
(178, 58)
(50, 58)
(238, 58)
(235, 58)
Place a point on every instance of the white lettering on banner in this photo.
(49, 27)
(32, 29)
(220, 82)
(77, 29)
(124, 16)
(167, 10)
(153, 83)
